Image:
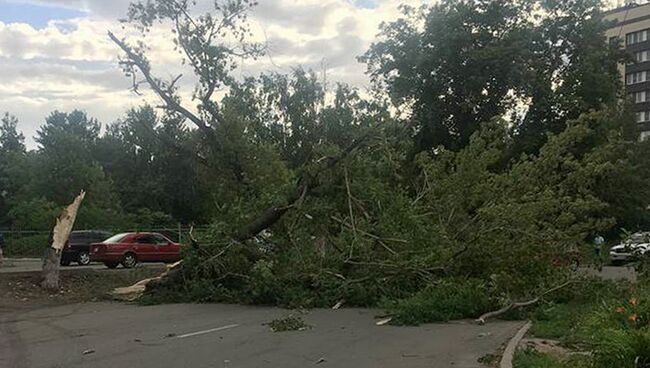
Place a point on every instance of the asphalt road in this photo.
(229, 336)
(613, 273)
(17, 265)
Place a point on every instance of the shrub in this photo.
(30, 245)
(619, 332)
(444, 301)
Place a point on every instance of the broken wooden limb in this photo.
(483, 318)
(133, 292)
(60, 234)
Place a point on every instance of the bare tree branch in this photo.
(155, 84)
(483, 318)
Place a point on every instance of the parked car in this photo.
(129, 249)
(77, 248)
(635, 246)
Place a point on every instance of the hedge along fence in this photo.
(25, 243)
(32, 243)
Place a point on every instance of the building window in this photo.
(641, 56)
(636, 37)
(634, 78)
(642, 116)
(639, 97)
(644, 136)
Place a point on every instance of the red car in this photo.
(129, 249)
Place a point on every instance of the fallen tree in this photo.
(367, 227)
(258, 224)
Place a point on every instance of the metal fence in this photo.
(31, 243)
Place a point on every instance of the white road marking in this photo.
(206, 331)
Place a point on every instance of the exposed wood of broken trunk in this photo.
(60, 234)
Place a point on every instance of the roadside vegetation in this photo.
(533, 359)
(600, 324)
(22, 290)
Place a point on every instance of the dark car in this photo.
(77, 249)
(129, 249)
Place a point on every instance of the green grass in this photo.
(564, 317)
(526, 358)
(560, 322)
(608, 319)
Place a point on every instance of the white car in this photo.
(637, 245)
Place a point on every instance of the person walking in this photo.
(598, 245)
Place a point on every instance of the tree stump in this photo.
(51, 263)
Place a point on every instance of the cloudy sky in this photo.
(55, 55)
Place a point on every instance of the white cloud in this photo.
(72, 64)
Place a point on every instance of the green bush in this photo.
(444, 301)
(610, 320)
(619, 331)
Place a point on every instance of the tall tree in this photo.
(459, 63)
(454, 65)
(12, 155)
(67, 164)
(151, 161)
(573, 70)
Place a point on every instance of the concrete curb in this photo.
(509, 353)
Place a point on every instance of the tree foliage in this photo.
(459, 63)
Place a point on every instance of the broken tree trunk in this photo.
(483, 318)
(60, 234)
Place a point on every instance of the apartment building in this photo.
(632, 27)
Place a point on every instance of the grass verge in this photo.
(527, 358)
(23, 289)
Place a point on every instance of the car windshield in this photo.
(115, 238)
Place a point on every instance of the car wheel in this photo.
(83, 259)
(129, 260)
(111, 264)
(65, 262)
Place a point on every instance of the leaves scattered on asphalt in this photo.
(289, 323)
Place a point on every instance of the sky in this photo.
(55, 54)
